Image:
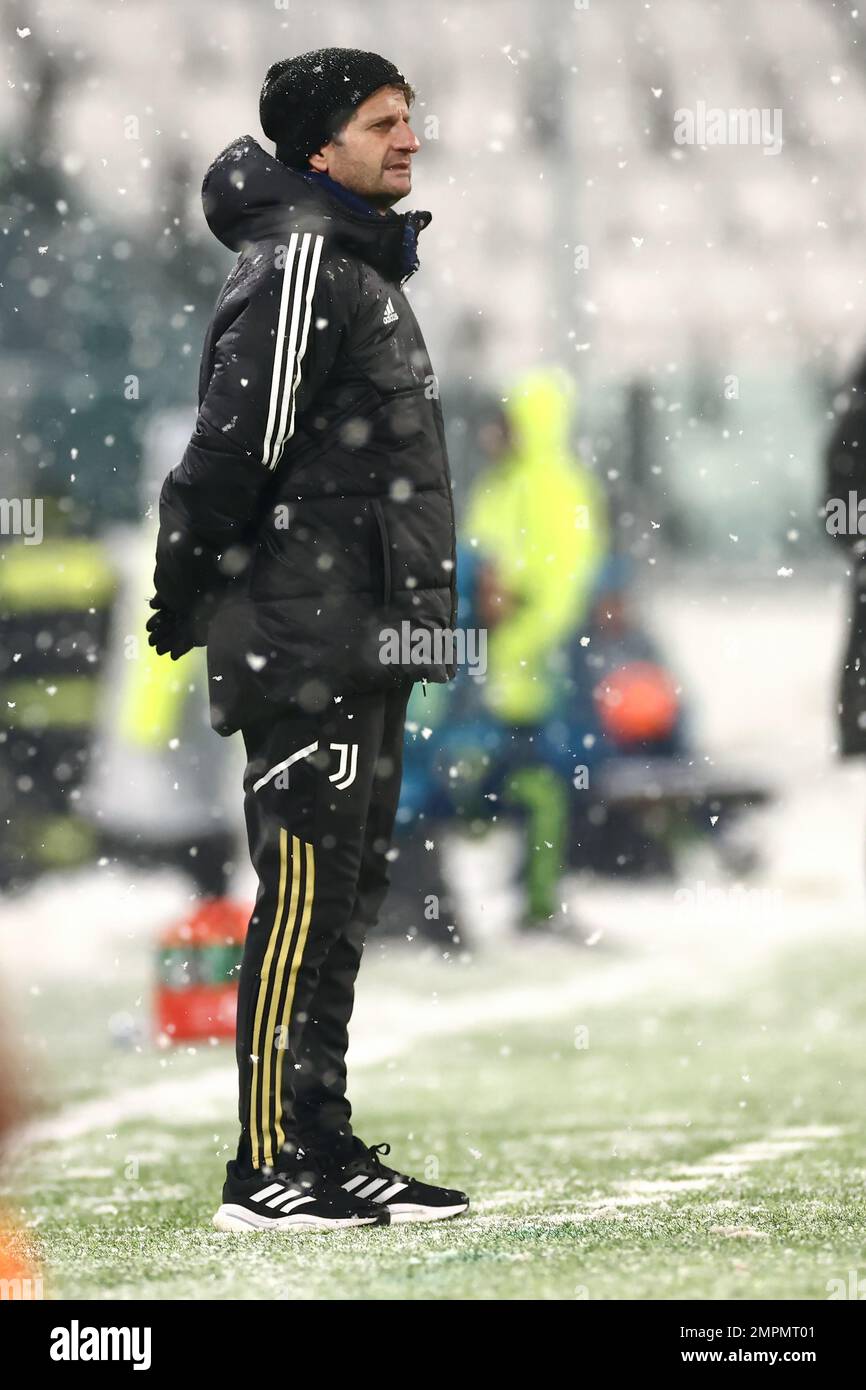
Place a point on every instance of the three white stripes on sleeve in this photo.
(293, 330)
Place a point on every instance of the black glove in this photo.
(170, 633)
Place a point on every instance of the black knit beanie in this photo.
(306, 100)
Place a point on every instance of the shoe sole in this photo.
(236, 1218)
(410, 1211)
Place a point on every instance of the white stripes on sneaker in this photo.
(268, 1191)
(287, 1198)
(299, 283)
(390, 1192)
(286, 1205)
(355, 1182)
(371, 1187)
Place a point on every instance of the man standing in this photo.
(310, 516)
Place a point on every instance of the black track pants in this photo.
(321, 794)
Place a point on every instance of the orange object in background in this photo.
(197, 972)
(20, 1277)
(18, 1281)
(637, 703)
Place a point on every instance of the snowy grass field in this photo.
(674, 1112)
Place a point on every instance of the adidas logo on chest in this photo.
(390, 315)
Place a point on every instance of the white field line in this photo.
(210, 1094)
(392, 1027)
(696, 1177)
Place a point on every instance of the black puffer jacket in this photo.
(312, 509)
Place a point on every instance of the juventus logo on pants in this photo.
(339, 778)
(280, 771)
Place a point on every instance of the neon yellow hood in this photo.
(539, 410)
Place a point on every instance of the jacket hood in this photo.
(540, 411)
(249, 196)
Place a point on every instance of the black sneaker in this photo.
(300, 1199)
(363, 1174)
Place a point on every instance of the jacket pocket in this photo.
(382, 527)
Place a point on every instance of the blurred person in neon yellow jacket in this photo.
(538, 522)
(538, 519)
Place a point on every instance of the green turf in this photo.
(543, 1135)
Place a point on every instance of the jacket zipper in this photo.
(440, 430)
(386, 550)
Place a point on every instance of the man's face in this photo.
(372, 154)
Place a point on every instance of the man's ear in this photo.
(318, 161)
